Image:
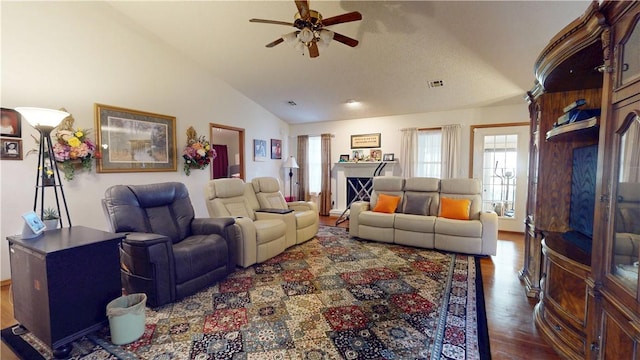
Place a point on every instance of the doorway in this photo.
(228, 142)
(500, 157)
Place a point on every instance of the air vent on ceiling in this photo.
(436, 83)
(291, 103)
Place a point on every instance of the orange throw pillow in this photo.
(455, 208)
(387, 204)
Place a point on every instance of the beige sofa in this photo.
(267, 226)
(305, 220)
(478, 235)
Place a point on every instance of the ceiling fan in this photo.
(311, 31)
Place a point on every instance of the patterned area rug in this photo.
(330, 298)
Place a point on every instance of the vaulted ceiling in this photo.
(483, 51)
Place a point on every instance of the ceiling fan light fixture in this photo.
(326, 35)
(300, 46)
(306, 35)
(290, 37)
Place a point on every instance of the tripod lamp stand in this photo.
(45, 120)
(290, 164)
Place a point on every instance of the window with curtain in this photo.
(429, 153)
(315, 165)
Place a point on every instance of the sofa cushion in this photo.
(422, 184)
(376, 219)
(454, 208)
(305, 218)
(269, 230)
(198, 255)
(465, 228)
(416, 223)
(225, 188)
(387, 204)
(416, 204)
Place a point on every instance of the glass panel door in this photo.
(500, 160)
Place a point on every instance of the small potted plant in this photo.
(51, 218)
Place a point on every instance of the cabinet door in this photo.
(625, 251)
(624, 145)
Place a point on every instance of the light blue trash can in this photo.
(127, 318)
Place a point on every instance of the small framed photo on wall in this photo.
(11, 123)
(276, 149)
(11, 149)
(259, 150)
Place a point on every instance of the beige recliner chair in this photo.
(263, 234)
(305, 213)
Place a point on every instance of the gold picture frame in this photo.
(134, 141)
(366, 141)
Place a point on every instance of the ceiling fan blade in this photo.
(345, 40)
(303, 8)
(274, 22)
(276, 42)
(344, 18)
(313, 50)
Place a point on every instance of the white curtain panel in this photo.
(409, 152)
(450, 150)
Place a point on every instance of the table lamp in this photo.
(45, 120)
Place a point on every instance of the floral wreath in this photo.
(198, 153)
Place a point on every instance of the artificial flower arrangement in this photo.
(72, 148)
(198, 153)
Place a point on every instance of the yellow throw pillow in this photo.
(455, 208)
(387, 204)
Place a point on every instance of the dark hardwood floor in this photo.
(512, 332)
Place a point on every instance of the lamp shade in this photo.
(290, 37)
(306, 35)
(290, 163)
(42, 117)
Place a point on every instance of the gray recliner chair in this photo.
(167, 253)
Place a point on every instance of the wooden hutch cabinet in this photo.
(589, 294)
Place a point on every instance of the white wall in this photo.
(390, 126)
(75, 54)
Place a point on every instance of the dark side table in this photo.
(62, 282)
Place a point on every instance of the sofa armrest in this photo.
(303, 206)
(289, 220)
(489, 220)
(207, 226)
(223, 226)
(148, 266)
(354, 213)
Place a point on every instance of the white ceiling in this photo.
(483, 51)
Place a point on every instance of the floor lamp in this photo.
(290, 164)
(45, 120)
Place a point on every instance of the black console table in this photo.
(62, 282)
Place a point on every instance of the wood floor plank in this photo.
(512, 332)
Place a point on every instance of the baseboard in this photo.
(6, 282)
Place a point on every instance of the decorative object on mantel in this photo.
(73, 149)
(45, 120)
(388, 157)
(198, 153)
